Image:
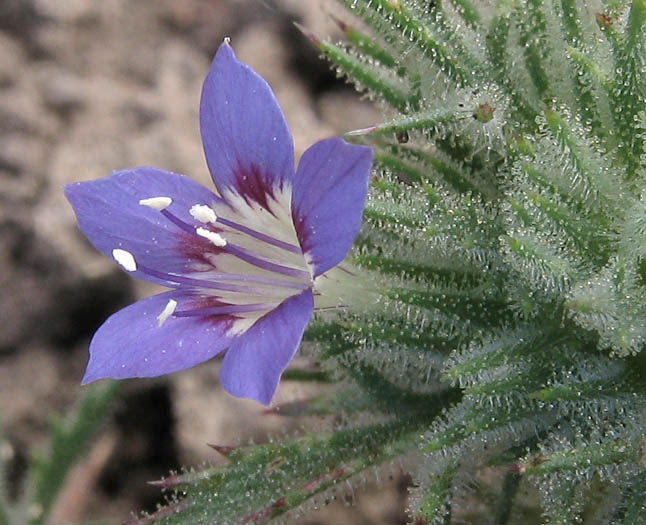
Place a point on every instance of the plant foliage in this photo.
(507, 231)
(69, 440)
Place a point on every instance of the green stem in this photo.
(70, 439)
(510, 487)
(4, 515)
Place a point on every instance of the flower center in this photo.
(236, 270)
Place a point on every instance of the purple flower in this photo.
(243, 264)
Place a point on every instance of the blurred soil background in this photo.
(88, 87)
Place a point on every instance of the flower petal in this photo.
(111, 217)
(132, 344)
(247, 143)
(328, 199)
(255, 361)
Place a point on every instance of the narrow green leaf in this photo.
(511, 346)
(587, 237)
(69, 441)
(520, 384)
(457, 40)
(547, 268)
(612, 383)
(469, 12)
(397, 165)
(299, 374)
(473, 305)
(586, 457)
(532, 24)
(590, 67)
(428, 121)
(403, 21)
(571, 21)
(441, 170)
(634, 510)
(441, 440)
(561, 502)
(367, 45)
(388, 396)
(498, 50)
(271, 479)
(332, 334)
(587, 163)
(591, 100)
(400, 334)
(630, 86)
(365, 76)
(440, 275)
(510, 486)
(437, 494)
(498, 423)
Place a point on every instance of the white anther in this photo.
(157, 203)
(215, 238)
(203, 213)
(169, 309)
(125, 259)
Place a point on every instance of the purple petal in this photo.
(328, 199)
(132, 344)
(248, 146)
(255, 361)
(110, 216)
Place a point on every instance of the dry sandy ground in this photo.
(88, 87)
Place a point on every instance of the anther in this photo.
(215, 238)
(168, 310)
(125, 259)
(203, 213)
(157, 203)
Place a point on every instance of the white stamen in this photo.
(157, 203)
(203, 213)
(215, 238)
(169, 309)
(125, 259)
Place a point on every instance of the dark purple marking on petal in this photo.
(208, 309)
(194, 247)
(244, 130)
(252, 185)
(132, 344)
(110, 216)
(328, 199)
(255, 361)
